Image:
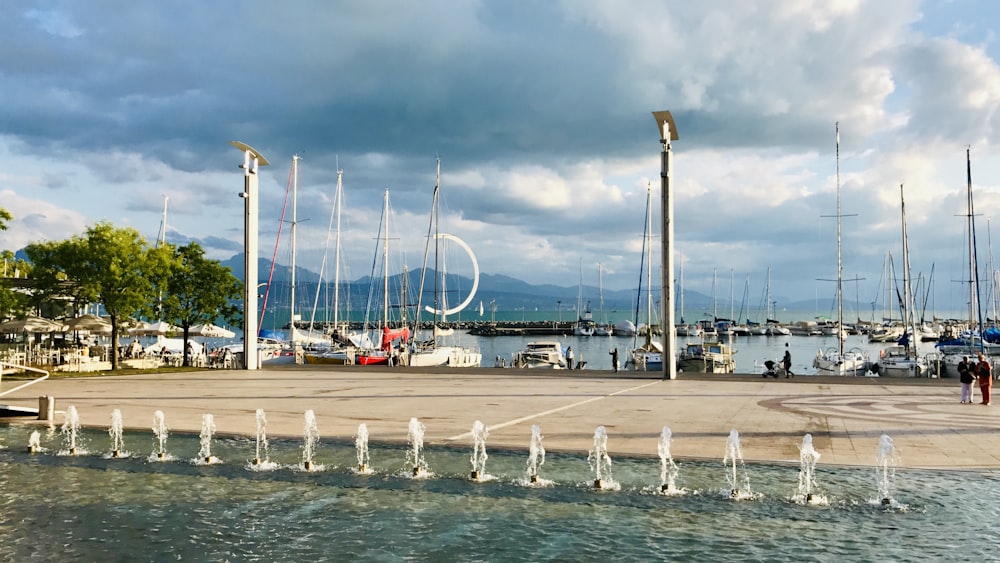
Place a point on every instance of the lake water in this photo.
(91, 507)
(751, 351)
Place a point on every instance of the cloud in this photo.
(540, 114)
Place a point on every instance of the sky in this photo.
(540, 113)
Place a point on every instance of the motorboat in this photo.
(706, 357)
(834, 362)
(545, 354)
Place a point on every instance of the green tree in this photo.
(111, 266)
(199, 291)
(13, 302)
(9, 299)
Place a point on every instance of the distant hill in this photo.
(512, 294)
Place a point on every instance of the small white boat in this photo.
(648, 357)
(832, 362)
(544, 354)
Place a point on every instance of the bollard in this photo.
(46, 408)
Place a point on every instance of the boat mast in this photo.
(975, 310)
(600, 290)
(681, 275)
(162, 238)
(906, 307)
(767, 291)
(385, 261)
(649, 276)
(840, 264)
(295, 188)
(732, 294)
(336, 254)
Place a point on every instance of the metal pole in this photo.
(668, 133)
(252, 160)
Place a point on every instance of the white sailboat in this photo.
(603, 328)
(837, 361)
(649, 355)
(387, 337)
(343, 345)
(585, 317)
(287, 352)
(435, 352)
(902, 360)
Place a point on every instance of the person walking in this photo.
(965, 377)
(614, 359)
(786, 362)
(985, 373)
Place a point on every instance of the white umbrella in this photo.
(210, 331)
(89, 323)
(158, 328)
(31, 324)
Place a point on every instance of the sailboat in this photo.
(837, 361)
(389, 337)
(603, 328)
(649, 355)
(585, 321)
(342, 346)
(970, 342)
(434, 352)
(902, 360)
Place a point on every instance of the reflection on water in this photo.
(87, 506)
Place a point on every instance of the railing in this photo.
(45, 375)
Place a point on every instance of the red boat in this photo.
(375, 358)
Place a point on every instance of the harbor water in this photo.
(751, 351)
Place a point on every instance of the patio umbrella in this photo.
(210, 331)
(31, 324)
(90, 323)
(158, 328)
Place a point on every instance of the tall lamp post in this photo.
(668, 133)
(251, 161)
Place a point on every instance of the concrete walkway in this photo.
(846, 416)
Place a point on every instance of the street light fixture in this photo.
(251, 161)
(668, 133)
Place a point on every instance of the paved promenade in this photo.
(846, 416)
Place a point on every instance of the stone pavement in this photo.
(846, 416)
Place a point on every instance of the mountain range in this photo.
(511, 294)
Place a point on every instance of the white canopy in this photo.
(158, 328)
(210, 331)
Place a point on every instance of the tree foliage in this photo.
(107, 265)
(5, 216)
(198, 291)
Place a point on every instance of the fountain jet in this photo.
(361, 446)
(160, 431)
(205, 437)
(415, 438)
(70, 429)
(479, 434)
(668, 469)
(536, 453)
(600, 462)
(310, 440)
(116, 431)
(260, 452)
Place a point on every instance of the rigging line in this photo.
(274, 256)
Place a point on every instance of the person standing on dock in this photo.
(965, 377)
(786, 362)
(985, 373)
(614, 359)
(569, 357)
